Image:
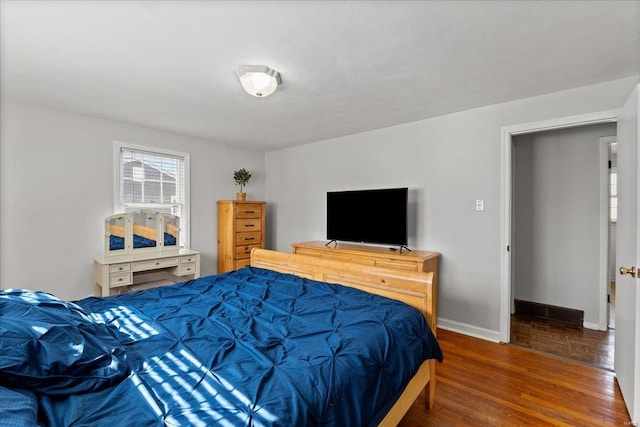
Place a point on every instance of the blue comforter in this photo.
(249, 347)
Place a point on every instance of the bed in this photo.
(291, 340)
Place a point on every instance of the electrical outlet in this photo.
(479, 205)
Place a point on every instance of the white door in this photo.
(627, 354)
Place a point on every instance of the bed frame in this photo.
(413, 288)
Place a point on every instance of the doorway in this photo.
(506, 294)
(556, 242)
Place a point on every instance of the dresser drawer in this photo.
(249, 238)
(398, 264)
(186, 269)
(307, 252)
(243, 263)
(119, 279)
(154, 264)
(114, 268)
(249, 210)
(190, 258)
(248, 224)
(349, 258)
(243, 252)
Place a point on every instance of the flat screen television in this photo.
(368, 216)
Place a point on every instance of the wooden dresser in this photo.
(241, 227)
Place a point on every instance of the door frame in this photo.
(506, 196)
(605, 231)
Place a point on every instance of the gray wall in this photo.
(56, 182)
(448, 162)
(556, 220)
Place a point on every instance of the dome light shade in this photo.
(258, 80)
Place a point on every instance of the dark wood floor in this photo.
(563, 339)
(481, 383)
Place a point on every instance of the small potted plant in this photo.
(241, 177)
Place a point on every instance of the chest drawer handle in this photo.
(249, 211)
(249, 225)
(249, 238)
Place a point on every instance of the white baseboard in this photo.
(589, 325)
(466, 329)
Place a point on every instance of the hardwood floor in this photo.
(562, 339)
(481, 383)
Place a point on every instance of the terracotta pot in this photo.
(241, 196)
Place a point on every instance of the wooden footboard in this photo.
(413, 288)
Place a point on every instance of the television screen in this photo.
(368, 216)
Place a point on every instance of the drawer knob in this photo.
(157, 263)
(120, 279)
(120, 268)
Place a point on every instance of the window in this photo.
(153, 179)
(613, 179)
(613, 194)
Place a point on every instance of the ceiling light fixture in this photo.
(258, 80)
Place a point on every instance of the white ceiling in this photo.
(346, 67)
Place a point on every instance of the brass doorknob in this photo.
(631, 271)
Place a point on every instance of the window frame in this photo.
(119, 207)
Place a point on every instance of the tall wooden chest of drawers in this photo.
(241, 227)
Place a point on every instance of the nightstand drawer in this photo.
(115, 268)
(154, 264)
(119, 279)
(248, 224)
(244, 251)
(249, 238)
(252, 210)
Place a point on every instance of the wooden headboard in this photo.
(116, 230)
(413, 288)
(150, 233)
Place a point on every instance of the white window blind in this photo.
(153, 179)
